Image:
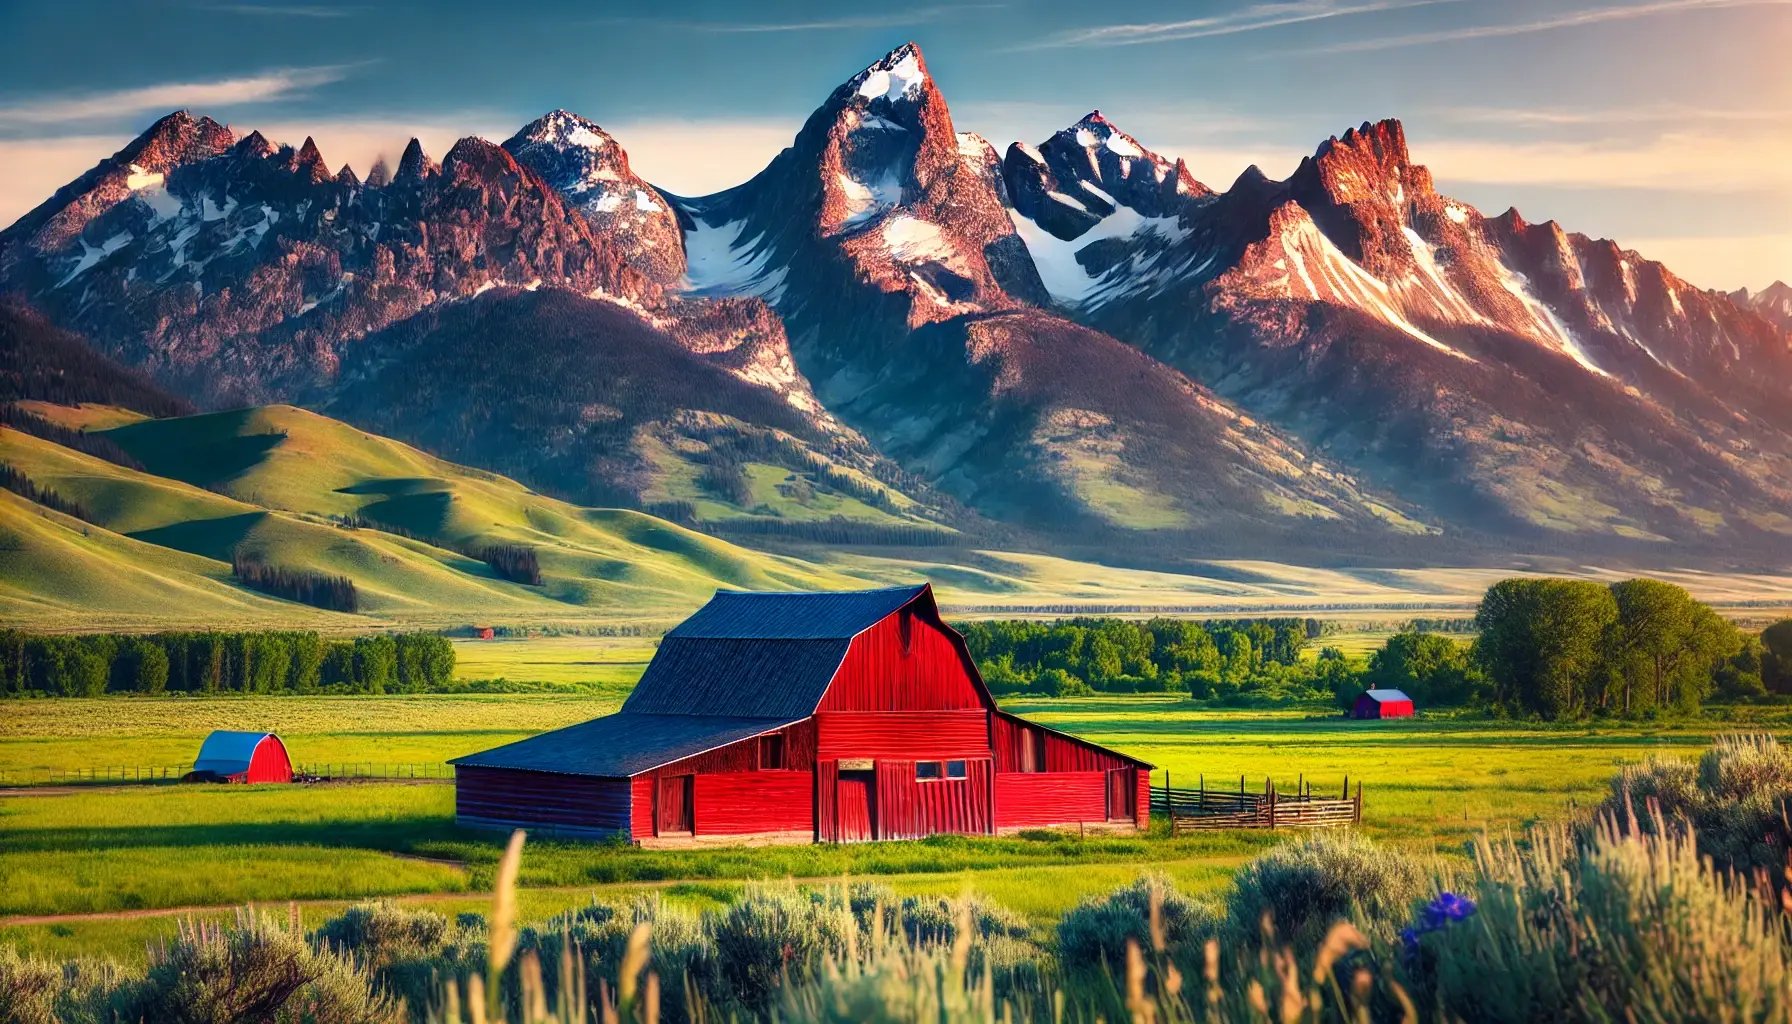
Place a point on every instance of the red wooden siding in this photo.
(907, 662)
(744, 803)
(1143, 818)
(641, 813)
(1058, 798)
(1018, 743)
(572, 804)
(909, 808)
(912, 734)
(269, 762)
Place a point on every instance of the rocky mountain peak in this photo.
(254, 146)
(590, 170)
(176, 139)
(380, 174)
(900, 75)
(571, 152)
(415, 165)
(309, 162)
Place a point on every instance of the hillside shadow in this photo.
(213, 538)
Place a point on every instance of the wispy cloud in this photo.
(1701, 160)
(1548, 23)
(1253, 18)
(1659, 113)
(131, 104)
(284, 10)
(894, 19)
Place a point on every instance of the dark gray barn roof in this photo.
(838, 615)
(623, 744)
(760, 655)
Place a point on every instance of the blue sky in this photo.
(1666, 124)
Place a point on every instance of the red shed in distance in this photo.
(1382, 704)
(804, 717)
(227, 756)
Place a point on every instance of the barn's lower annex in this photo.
(827, 717)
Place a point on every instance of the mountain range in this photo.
(896, 333)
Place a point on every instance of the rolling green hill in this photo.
(298, 490)
(294, 489)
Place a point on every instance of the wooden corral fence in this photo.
(1205, 807)
(421, 770)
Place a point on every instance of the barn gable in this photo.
(782, 655)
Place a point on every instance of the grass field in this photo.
(1429, 784)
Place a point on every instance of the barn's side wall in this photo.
(570, 805)
(907, 662)
(732, 795)
(1036, 799)
(1069, 786)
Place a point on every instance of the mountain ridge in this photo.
(1078, 339)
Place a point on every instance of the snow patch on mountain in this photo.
(912, 240)
(893, 79)
(721, 260)
(865, 201)
(1150, 266)
(1548, 324)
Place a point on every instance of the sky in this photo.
(1665, 124)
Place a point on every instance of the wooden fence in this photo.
(1202, 808)
(376, 770)
(97, 775)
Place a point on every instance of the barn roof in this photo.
(623, 744)
(755, 615)
(226, 752)
(769, 655)
(1384, 696)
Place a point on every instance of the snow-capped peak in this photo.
(1095, 131)
(564, 128)
(899, 75)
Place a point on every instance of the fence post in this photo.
(1201, 801)
(1346, 795)
(1357, 813)
(1272, 806)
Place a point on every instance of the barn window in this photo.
(955, 770)
(928, 770)
(771, 751)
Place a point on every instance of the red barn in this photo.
(1382, 704)
(243, 757)
(829, 717)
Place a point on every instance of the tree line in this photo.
(1545, 648)
(1206, 659)
(258, 661)
(1559, 648)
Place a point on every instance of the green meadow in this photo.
(107, 864)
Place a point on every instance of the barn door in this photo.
(1123, 796)
(855, 807)
(672, 806)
